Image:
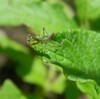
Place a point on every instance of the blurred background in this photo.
(22, 74)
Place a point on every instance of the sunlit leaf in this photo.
(88, 12)
(77, 51)
(35, 15)
(10, 91)
(90, 88)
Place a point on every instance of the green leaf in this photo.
(31, 70)
(77, 51)
(8, 46)
(35, 15)
(88, 12)
(45, 78)
(72, 92)
(55, 83)
(7, 43)
(16, 52)
(36, 74)
(90, 88)
(10, 91)
(88, 8)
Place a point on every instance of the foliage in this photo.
(9, 90)
(74, 49)
(75, 53)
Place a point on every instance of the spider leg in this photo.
(45, 34)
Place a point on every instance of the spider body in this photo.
(32, 40)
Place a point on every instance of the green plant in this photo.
(77, 52)
(73, 44)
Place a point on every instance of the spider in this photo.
(32, 40)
